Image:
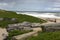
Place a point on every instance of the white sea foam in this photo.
(47, 15)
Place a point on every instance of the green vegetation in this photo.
(20, 18)
(46, 36)
(15, 33)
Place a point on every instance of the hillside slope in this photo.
(20, 17)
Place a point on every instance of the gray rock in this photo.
(1, 19)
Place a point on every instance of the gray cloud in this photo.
(7, 0)
(30, 4)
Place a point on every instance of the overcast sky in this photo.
(30, 5)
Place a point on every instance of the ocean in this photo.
(38, 14)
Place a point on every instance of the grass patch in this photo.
(47, 36)
(15, 33)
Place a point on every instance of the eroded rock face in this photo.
(24, 25)
(51, 27)
(3, 33)
(35, 25)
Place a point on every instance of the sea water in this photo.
(36, 14)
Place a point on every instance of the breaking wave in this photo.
(46, 15)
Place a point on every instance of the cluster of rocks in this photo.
(22, 26)
(8, 19)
